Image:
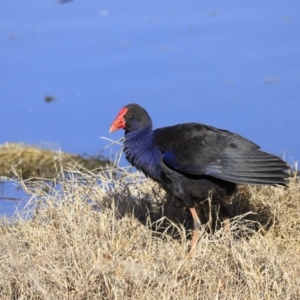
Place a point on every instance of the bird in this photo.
(191, 161)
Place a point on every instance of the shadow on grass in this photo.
(165, 215)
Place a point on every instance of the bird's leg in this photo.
(197, 225)
(226, 223)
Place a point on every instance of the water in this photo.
(234, 65)
(12, 199)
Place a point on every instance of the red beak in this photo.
(119, 121)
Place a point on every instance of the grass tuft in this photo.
(33, 162)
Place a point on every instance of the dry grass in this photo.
(104, 238)
(30, 162)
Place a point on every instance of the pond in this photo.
(67, 69)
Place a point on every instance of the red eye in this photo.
(128, 114)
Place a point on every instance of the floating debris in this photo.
(63, 1)
(271, 80)
(49, 98)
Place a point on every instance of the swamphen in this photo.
(193, 160)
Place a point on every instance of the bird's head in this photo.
(131, 117)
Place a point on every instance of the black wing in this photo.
(197, 149)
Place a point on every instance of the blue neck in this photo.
(142, 153)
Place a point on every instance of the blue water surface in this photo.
(231, 64)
